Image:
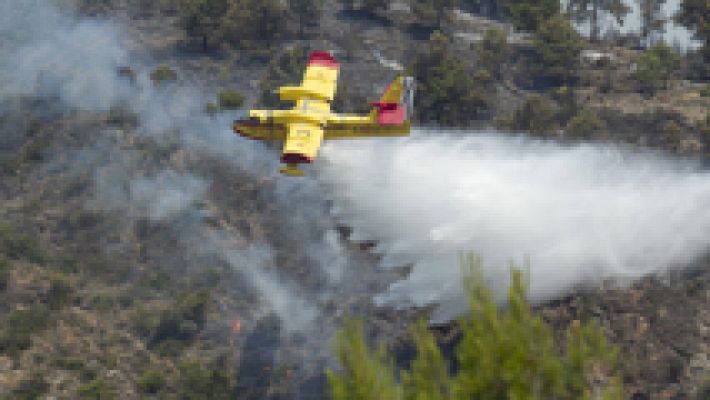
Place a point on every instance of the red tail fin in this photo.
(394, 106)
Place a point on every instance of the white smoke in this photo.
(580, 213)
(45, 53)
(49, 53)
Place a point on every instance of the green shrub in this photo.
(655, 66)
(70, 363)
(103, 302)
(672, 129)
(537, 116)
(446, 92)
(502, 354)
(171, 330)
(196, 382)
(230, 100)
(163, 73)
(96, 390)
(4, 274)
(60, 291)
(16, 245)
(151, 382)
(284, 69)
(557, 47)
(31, 389)
(530, 14)
(494, 51)
(19, 326)
(705, 92)
(703, 126)
(431, 12)
(145, 322)
(585, 125)
(367, 374)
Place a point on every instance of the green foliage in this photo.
(60, 291)
(253, 24)
(4, 274)
(307, 12)
(151, 382)
(428, 376)
(170, 330)
(695, 14)
(19, 326)
(503, 354)
(96, 390)
(202, 18)
(102, 302)
(655, 66)
(16, 245)
(230, 99)
(366, 375)
(31, 389)
(537, 116)
(585, 125)
(703, 126)
(162, 74)
(530, 14)
(557, 47)
(70, 363)
(446, 93)
(672, 129)
(431, 12)
(705, 92)
(494, 51)
(284, 69)
(196, 383)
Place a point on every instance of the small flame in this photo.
(237, 326)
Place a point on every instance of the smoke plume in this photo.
(73, 63)
(581, 213)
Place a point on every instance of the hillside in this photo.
(148, 252)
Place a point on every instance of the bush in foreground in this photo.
(508, 354)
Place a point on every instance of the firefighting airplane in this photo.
(303, 127)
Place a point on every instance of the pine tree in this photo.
(432, 12)
(503, 354)
(695, 14)
(529, 14)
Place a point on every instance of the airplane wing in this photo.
(258, 129)
(389, 117)
(320, 79)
